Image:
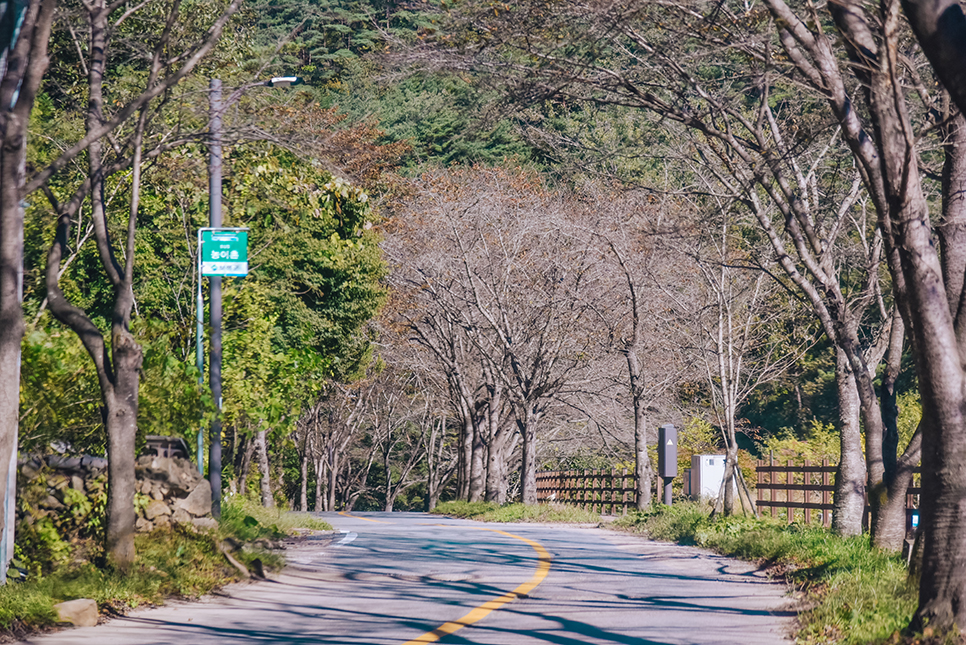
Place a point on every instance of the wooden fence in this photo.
(795, 490)
(600, 491)
(808, 488)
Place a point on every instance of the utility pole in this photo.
(216, 107)
(214, 361)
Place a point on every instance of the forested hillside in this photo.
(484, 240)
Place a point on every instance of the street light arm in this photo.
(276, 81)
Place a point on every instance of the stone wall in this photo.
(177, 492)
(171, 489)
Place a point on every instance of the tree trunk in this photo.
(496, 453)
(642, 460)
(495, 479)
(528, 465)
(261, 440)
(122, 412)
(25, 64)
(11, 312)
(890, 528)
(390, 498)
(304, 482)
(728, 483)
(333, 471)
(245, 466)
(848, 504)
(477, 467)
(319, 477)
(465, 457)
(939, 343)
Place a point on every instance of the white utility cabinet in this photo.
(707, 471)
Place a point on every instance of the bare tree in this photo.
(737, 343)
(524, 289)
(772, 161)
(643, 321)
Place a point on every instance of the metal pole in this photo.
(214, 362)
(200, 356)
(667, 490)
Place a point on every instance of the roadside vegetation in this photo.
(853, 593)
(173, 562)
(492, 512)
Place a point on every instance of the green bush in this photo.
(492, 512)
(464, 510)
(173, 561)
(246, 519)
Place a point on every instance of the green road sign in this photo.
(224, 251)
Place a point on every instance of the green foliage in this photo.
(910, 413)
(549, 513)
(492, 512)
(320, 262)
(582, 459)
(60, 399)
(45, 540)
(175, 561)
(860, 594)
(247, 520)
(170, 402)
(821, 442)
(171, 562)
(461, 509)
(698, 437)
(324, 40)
(40, 547)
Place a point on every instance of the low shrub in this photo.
(174, 561)
(246, 519)
(491, 512)
(464, 510)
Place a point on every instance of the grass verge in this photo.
(855, 593)
(245, 519)
(491, 512)
(171, 562)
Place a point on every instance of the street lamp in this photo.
(216, 108)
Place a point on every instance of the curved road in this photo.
(408, 578)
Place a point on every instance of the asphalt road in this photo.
(406, 578)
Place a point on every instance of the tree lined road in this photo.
(394, 578)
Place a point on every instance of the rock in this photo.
(58, 481)
(156, 494)
(176, 473)
(28, 472)
(156, 508)
(77, 483)
(94, 463)
(143, 526)
(65, 463)
(198, 503)
(205, 523)
(162, 520)
(53, 502)
(81, 612)
(181, 516)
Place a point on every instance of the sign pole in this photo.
(222, 252)
(200, 356)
